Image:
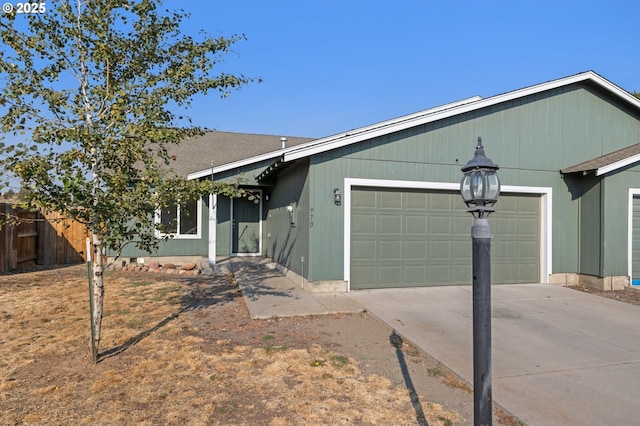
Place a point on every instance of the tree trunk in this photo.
(97, 278)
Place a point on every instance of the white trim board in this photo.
(617, 165)
(633, 192)
(545, 214)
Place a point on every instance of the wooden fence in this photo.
(39, 239)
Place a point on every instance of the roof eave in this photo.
(617, 165)
(450, 110)
(235, 164)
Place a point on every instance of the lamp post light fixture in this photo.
(480, 188)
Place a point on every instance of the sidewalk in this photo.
(269, 293)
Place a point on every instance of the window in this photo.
(181, 221)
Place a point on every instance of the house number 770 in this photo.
(310, 217)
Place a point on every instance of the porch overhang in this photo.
(607, 163)
(275, 168)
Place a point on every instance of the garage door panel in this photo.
(438, 203)
(389, 200)
(390, 273)
(390, 224)
(504, 249)
(417, 224)
(461, 249)
(460, 274)
(440, 225)
(363, 198)
(528, 203)
(528, 249)
(415, 201)
(364, 250)
(414, 275)
(363, 274)
(440, 250)
(506, 227)
(502, 273)
(363, 224)
(415, 250)
(462, 225)
(440, 274)
(390, 250)
(423, 238)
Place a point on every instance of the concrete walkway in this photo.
(560, 357)
(269, 293)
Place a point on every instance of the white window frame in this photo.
(178, 235)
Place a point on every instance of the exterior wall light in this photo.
(480, 188)
(290, 210)
(337, 197)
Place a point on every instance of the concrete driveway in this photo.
(560, 357)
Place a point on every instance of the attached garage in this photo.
(403, 237)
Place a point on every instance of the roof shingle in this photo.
(196, 154)
(604, 160)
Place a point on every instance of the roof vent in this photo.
(284, 142)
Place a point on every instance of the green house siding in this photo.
(245, 175)
(531, 139)
(590, 227)
(177, 246)
(285, 242)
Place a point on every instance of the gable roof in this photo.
(473, 104)
(312, 147)
(607, 163)
(196, 154)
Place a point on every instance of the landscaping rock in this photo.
(168, 266)
(154, 265)
(188, 266)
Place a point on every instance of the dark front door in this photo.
(246, 226)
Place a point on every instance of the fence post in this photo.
(5, 238)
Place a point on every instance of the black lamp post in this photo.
(480, 188)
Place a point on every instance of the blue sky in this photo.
(330, 66)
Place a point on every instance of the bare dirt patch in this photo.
(627, 294)
(184, 351)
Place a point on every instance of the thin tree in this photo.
(94, 83)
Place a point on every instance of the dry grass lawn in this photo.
(176, 351)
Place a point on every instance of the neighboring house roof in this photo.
(607, 163)
(312, 147)
(223, 148)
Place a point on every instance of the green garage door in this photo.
(411, 238)
(635, 248)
